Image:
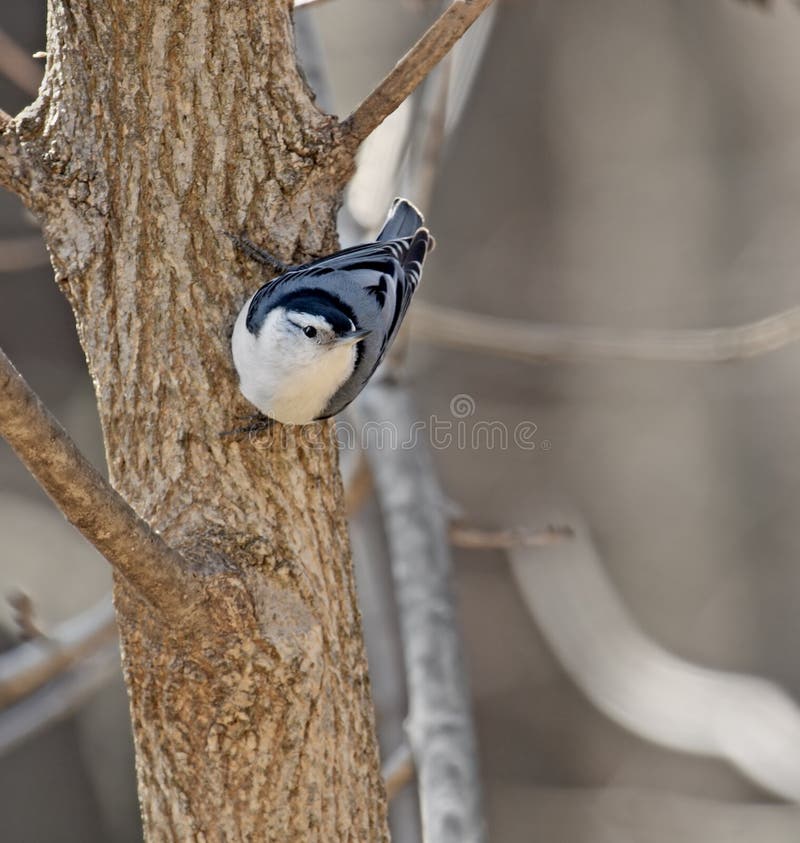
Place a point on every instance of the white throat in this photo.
(290, 380)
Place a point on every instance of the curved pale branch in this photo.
(538, 343)
(745, 720)
(156, 571)
(415, 65)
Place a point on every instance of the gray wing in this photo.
(388, 272)
(372, 284)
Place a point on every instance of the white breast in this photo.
(287, 378)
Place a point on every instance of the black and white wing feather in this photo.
(388, 270)
(372, 284)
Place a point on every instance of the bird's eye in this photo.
(310, 331)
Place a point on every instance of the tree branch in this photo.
(59, 698)
(412, 69)
(155, 570)
(474, 538)
(439, 724)
(538, 343)
(646, 688)
(398, 771)
(28, 666)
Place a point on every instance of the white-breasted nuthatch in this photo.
(306, 343)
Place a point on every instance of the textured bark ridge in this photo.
(162, 124)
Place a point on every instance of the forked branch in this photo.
(155, 570)
(415, 65)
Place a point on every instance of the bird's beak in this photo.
(352, 336)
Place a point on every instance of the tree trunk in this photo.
(162, 124)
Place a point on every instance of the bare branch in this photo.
(359, 486)
(439, 724)
(412, 69)
(473, 538)
(398, 771)
(538, 343)
(27, 667)
(18, 66)
(158, 572)
(25, 252)
(644, 687)
(58, 698)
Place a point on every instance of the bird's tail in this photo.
(403, 221)
(421, 243)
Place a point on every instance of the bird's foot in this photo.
(257, 423)
(257, 253)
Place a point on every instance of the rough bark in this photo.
(159, 126)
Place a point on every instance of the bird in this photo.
(306, 343)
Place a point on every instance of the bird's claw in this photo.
(258, 423)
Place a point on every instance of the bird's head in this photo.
(310, 329)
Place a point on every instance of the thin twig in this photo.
(473, 538)
(539, 343)
(412, 69)
(360, 485)
(158, 572)
(27, 667)
(398, 771)
(17, 65)
(439, 725)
